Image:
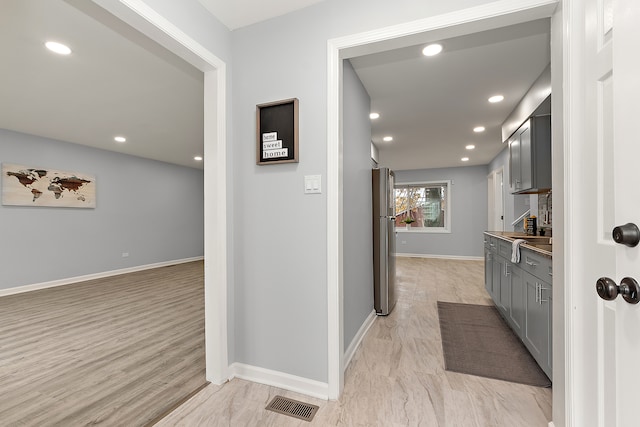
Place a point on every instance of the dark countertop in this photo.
(539, 244)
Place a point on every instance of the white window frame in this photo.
(447, 214)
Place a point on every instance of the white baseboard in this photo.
(281, 380)
(355, 342)
(71, 280)
(453, 257)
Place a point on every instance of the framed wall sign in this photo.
(277, 132)
(30, 186)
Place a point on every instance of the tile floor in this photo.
(396, 377)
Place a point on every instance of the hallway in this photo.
(396, 377)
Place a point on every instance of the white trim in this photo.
(193, 52)
(335, 247)
(448, 202)
(491, 15)
(428, 230)
(280, 379)
(93, 276)
(357, 340)
(572, 85)
(451, 257)
(146, 20)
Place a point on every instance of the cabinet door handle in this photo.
(543, 289)
(506, 269)
(531, 263)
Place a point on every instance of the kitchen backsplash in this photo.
(545, 209)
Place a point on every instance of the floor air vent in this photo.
(293, 408)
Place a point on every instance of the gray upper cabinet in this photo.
(530, 156)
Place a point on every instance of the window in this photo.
(424, 206)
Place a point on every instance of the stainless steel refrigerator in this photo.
(384, 241)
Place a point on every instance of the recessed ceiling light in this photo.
(470, 147)
(58, 48)
(496, 98)
(120, 139)
(478, 129)
(374, 116)
(465, 159)
(432, 49)
(387, 139)
(198, 158)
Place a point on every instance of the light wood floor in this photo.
(396, 377)
(120, 351)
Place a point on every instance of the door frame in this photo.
(466, 21)
(145, 19)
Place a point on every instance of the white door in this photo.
(495, 203)
(603, 190)
(491, 201)
(499, 200)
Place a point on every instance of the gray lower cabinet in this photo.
(537, 331)
(488, 271)
(522, 294)
(502, 284)
(517, 306)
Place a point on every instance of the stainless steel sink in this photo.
(543, 246)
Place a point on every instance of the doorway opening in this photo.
(143, 18)
(495, 200)
(440, 27)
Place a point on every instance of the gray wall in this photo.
(358, 240)
(280, 233)
(152, 210)
(514, 204)
(468, 213)
(191, 17)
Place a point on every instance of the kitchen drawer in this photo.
(504, 248)
(536, 264)
(490, 243)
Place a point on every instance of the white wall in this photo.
(357, 204)
(152, 210)
(468, 214)
(281, 242)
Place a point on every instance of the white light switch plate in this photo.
(312, 184)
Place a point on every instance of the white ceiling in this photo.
(240, 13)
(430, 105)
(115, 82)
(118, 82)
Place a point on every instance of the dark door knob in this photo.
(627, 234)
(608, 290)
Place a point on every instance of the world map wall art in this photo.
(27, 186)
